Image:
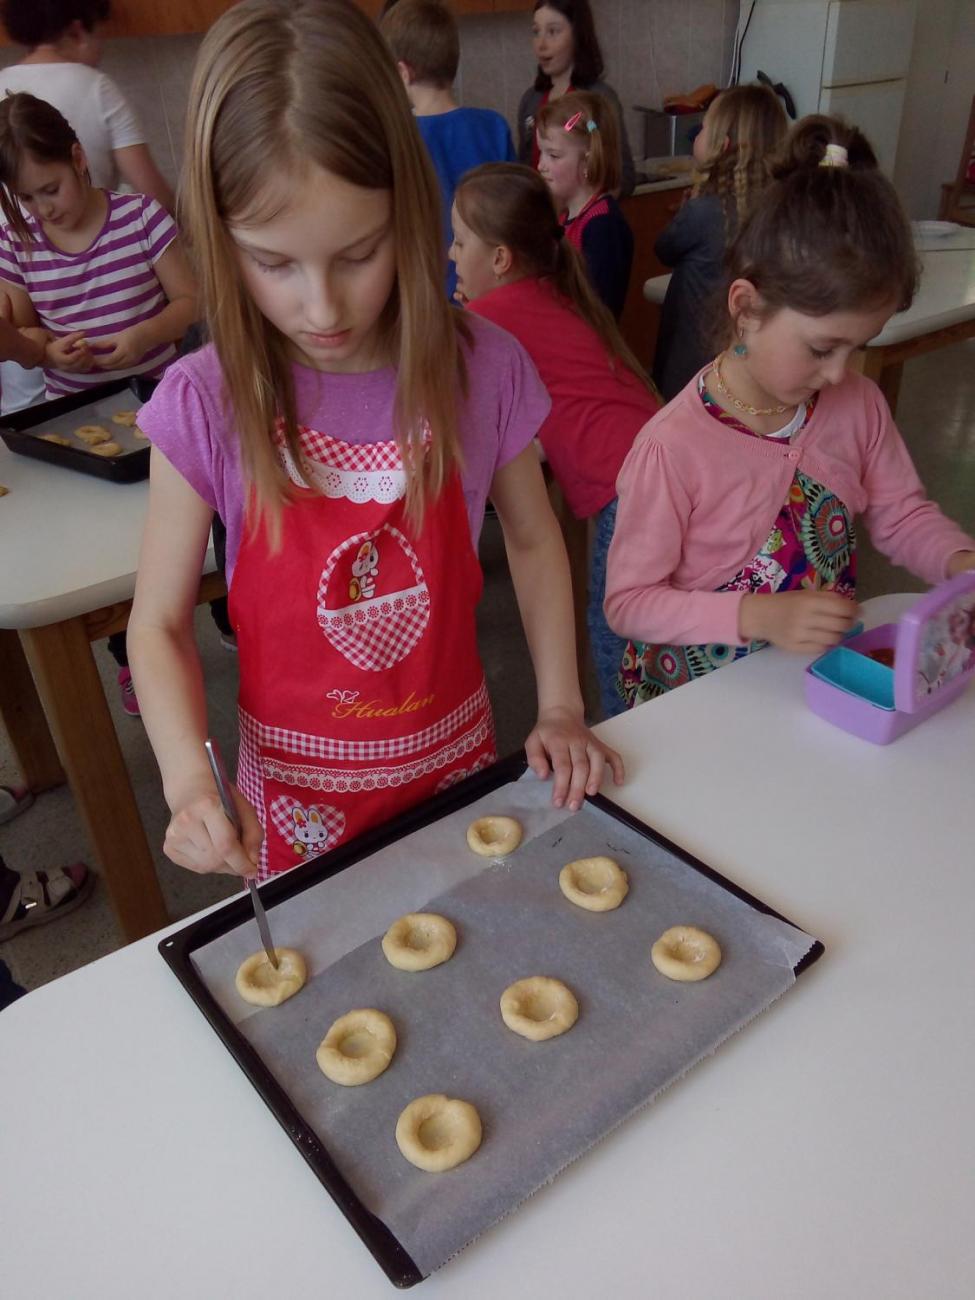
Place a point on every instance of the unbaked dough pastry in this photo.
(494, 837)
(106, 449)
(357, 1048)
(56, 439)
(92, 434)
(686, 953)
(4, 491)
(597, 884)
(419, 941)
(436, 1133)
(539, 1008)
(258, 982)
(125, 418)
(139, 433)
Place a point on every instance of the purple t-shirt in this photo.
(188, 420)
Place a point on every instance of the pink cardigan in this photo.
(697, 501)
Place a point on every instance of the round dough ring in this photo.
(357, 1048)
(494, 837)
(419, 941)
(436, 1133)
(105, 449)
(92, 434)
(259, 983)
(539, 1008)
(597, 884)
(685, 953)
(126, 418)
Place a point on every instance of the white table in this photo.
(70, 547)
(943, 311)
(826, 1150)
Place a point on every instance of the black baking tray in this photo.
(17, 432)
(178, 948)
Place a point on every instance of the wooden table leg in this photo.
(64, 669)
(23, 716)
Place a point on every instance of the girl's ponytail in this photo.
(829, 234)
(509, 204)
(808, 145)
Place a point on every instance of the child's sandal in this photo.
(13, 801)
(42, 896)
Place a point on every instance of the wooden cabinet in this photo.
(647, 214)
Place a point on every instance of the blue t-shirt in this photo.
(456, 142)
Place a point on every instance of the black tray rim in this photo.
(176, 950)
(16, 426)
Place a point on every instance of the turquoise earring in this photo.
(740, 350)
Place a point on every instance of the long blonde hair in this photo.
(279, 86)
(510, 204)
(746, 128)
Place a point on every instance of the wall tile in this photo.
(481, 74)
(131, 63)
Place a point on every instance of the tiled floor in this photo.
(937, 416)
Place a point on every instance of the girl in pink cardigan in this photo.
(736, 503)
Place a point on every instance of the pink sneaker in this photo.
(130, 701)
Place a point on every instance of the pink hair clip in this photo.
(574, 120)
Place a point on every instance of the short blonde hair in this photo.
(423, 34)
(281, 86)
(604, 168)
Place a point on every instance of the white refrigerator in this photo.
(849, 57)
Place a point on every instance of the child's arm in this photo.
(169, 680)
(560, 741)
(66, 352)
(129, 346)
(653, 518)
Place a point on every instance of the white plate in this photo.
(935, 229)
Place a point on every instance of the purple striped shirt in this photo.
(103, 290)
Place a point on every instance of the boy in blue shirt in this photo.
(424, 39)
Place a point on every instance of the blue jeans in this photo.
(605, 646)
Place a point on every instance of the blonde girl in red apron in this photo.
(311, 211)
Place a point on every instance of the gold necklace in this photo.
(739, 405)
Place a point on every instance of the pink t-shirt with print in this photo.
(188, 420)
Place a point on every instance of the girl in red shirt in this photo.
(516, 266)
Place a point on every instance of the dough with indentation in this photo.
(106, 449)
(357, 1048)
(685, 953)
(597, 884)
(259, 983)
(437, 1133)
(494, 837)
(92, 434)
(538, 1008)
(419, 941)
(56, 438)
(125, 418)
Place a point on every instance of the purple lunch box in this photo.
(881, 683)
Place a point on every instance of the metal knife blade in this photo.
(230, 809)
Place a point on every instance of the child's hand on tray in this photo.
(562, 744)
(200, 838)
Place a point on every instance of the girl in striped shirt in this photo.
(103, 273)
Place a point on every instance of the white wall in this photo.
(938, 100)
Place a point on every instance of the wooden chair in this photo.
(958, 198)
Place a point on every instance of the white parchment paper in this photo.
(541, 1104)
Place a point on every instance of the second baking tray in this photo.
(542, 1105)
(22, 431)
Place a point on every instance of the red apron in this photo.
(361, 689)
